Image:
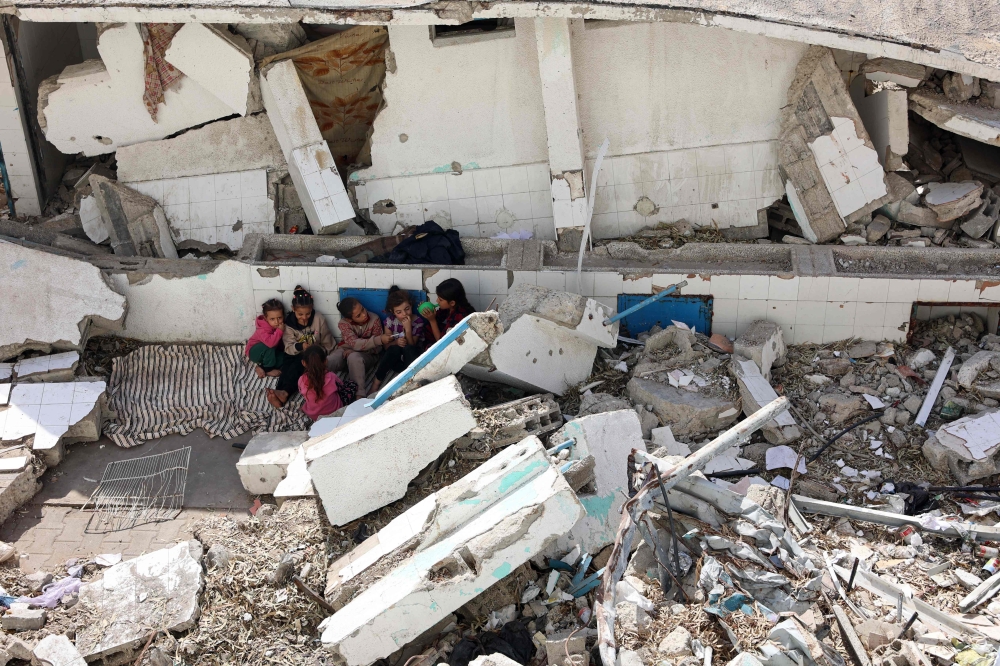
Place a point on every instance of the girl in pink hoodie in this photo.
(264, 347)
(318, 385)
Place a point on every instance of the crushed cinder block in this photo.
(608, 437)
(310, 163)
(393, 444)
(685, 412)
(535, 415)
(757, 392)
(136, 224)
(264, 462)
(169, 582)
(484, 328)
(512, 507)
(297, 483)
(974, 121)
(22, 617)
(217, 60)
(97, 106)
(58, 650)
(763, 342)
(78, 300)
(900, 72)
(966, 447)
(833, 173)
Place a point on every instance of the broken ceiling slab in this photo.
(264, 462)
(537, 353)
(53, 413)
(217, 60)
(978, 122)
(609, 437)
(483, 328)
(136, 223)
(241, 143)
(77, 296)
(833, 172)
(485, 526)
(900, 72)
(584, 317)
(159, 589)
(367, 463)
(950, 201)
(97, 106)
(310, 163)
(685, 412)
(51, 368)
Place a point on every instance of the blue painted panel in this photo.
(695, 311)
(374, 299)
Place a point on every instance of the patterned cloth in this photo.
(160, 74)
(360, 338)
(419, 329)
(159, 390)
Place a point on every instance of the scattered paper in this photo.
(780, 482)
(785, 457)
(873, 401)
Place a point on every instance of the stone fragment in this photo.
(968, 580)
(628, 658)
(297, 482)
(598, 403)
(918, 216)
(57, 650)
(763, 343)
(368, 463)
(264, 462)
(681, 337)
(984, 219)
(837, 366)
(136, 223)
(960, 87)
(901, 72)
(632, 619)
(36, 581)
(840, 407)
(676, 644)
(663, 438)
(78, 299)
(971, 369)
(950, 201)
(974, 121)
(912, 404)
(170, 580)
(921, 358)
(218, 557)
(878, 228)
(862, 349)
(685, 412)
(22, 617)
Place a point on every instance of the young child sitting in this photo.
(304, 327)
(362, 340)
(404, 336)
(318, 385)
(452, 307)
(263, 347)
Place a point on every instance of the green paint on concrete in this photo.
(598, 506)
(514, 478)
(502, 570)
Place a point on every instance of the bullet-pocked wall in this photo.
(691, 114)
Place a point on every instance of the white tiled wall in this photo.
(720, 186)
(15, 149)
(850, 169)
(478, 202)
(205, 208)
(809, 309)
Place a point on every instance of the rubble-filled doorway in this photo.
(695, 311)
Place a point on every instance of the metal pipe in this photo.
(432, 353)
(565, 445)
(649, 301)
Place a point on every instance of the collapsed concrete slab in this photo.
(297, 483)
(264, 462)
(538, 354)
(367, 463)
(900, 72)
(310, 163)
(19, 482)
(77, 299)
(484, 328)
(833, 173)
(462, 540)
(240, 144)
(685, 412)
(584, 317)
(215, 59)
(97, 106)
(159, 589)
(950, 201)
(974, 121)
(608, 437)
(136, 224)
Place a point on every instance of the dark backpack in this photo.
(429, 244)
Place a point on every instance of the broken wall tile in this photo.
(50, 368)
(368, 463)
(54, 414)
(78, 298)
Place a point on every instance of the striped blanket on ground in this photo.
(161, 390)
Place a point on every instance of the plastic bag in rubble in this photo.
(625, 592)
(53, 593)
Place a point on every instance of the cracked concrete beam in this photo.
(972, 121)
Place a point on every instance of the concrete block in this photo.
(51, 368)
(685, 412)
(22, 617)
(169, 580)
(664, 438)
(265, 460)
(57, 650)
(297, 482)
(215, 59)
(77, 299)
(906, 74)
(540, 354)
(763, 343)
(136, 223)
(583, 316)
(978, 122)
(757, 392)
(484, 328)
(367, 463)
(95, 107)
(310, 163)
(17, 488)
(241, 143)
(609, 437)
(525, 508)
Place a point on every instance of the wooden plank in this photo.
(850, 637)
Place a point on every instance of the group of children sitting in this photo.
(298, 348)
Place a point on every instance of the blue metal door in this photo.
(374, 299)
(695, 311)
